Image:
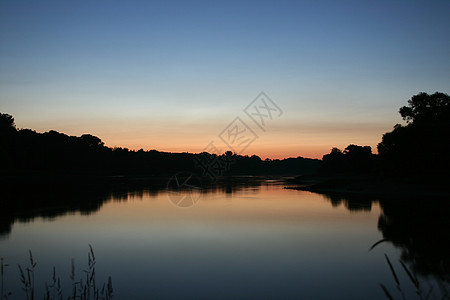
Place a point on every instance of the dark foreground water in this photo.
(256, 240)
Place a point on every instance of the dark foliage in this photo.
(27, 151)
(420, 229)
(49, 198)
(354, 159)
(422, 146)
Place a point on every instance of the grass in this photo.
(2, 283)
(85, 288)
(420, 291)
(419, 287)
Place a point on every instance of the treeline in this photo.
(25, 150)
(419, 148)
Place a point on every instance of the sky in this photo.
(173, 75)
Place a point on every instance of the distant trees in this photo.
(7, 139)
(422, 146)
(354, 159)
(91, 141)
(27, 150)
(6, 124)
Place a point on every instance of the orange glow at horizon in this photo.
(268, 150)
(283, 139)
(275, 144)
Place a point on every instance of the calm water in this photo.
(253, 241)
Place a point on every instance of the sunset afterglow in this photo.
(172, 75)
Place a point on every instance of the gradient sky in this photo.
(171, 75)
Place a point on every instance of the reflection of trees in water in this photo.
(24, 202)
(420, 228)
(231, 185)
(353, 204)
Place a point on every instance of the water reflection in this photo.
(352, 203)
(25, 202)
(419, 227)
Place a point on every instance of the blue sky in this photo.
(170, 75)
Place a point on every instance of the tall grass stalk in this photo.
(83, 289)
(422, 295)
(27, 277)
(3, 296)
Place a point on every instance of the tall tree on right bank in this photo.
(422, 146)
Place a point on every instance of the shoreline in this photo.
(399, 188)
(343, 185)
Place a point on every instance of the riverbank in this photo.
(373, 186)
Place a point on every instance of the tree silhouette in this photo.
(27, 150)
(334, 162)
(7, 140)
(420, 147)
(354, 159)
(427, 109)
(7, 125)
(91, 141)
(7, 121)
